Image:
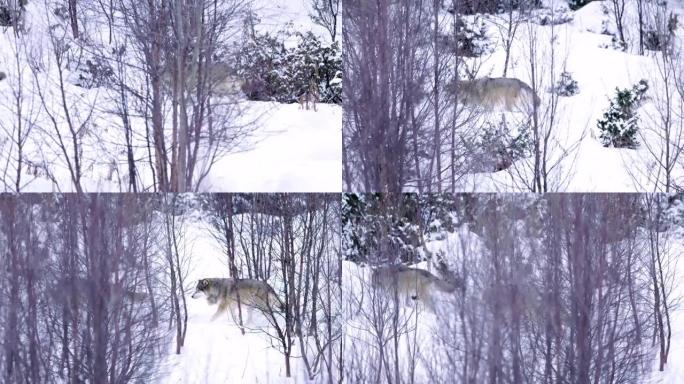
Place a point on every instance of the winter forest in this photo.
(189, 194)
(513, 96)
(330, 288)
(531, 288)
(101, 288)
(170, 95)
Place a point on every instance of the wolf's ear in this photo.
(203, 283)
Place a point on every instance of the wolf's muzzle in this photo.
(197, 294)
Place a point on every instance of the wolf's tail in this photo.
(279, 304)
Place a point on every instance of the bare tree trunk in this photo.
(173, 274)
(437, 82)
(640, 12)
(73, 18)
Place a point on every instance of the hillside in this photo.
(456, 112)
(520, 288)
(78, 114)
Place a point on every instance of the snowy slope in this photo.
(282, 148)
(293, 14)
(215, 352)
(580, 48)
(674, 369)
(421, 328)
(421, 324)
(294, 151)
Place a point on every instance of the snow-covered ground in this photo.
(279, 147)
(584, 164)
(293, 151)
(421, 341)
(216, 352)
(674, 369)
(418, 325)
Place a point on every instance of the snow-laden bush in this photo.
(11, 14)
(472, 7)
(498, 146)
(6, 18)
(546, 16)
(619, 125)
(577, 4)
(259, 61)
(369, 226)
(273, 72)
(566, 85)
(618, 44)
(608, 30)
(312, 60)
(661, 40)
(471, 37)
(95, 73)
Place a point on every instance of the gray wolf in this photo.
(411, 283)
(83, 289)
(218, 79)
(248, 293)
(309, 96)
(490, 93)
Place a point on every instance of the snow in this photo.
(421, 328)
(674, 369)
(280, 147)
(293, 14)
(295, 151)
(582, 49)
(216, 351)
(419, 322)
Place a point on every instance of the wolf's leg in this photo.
(429, 296)
(221, 308)
(247, 314)
(238, 319)
(425, 296)
(430, 304)
(231, 310)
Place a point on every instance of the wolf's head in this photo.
(202, 288)
(471, 92)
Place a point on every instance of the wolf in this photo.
(218, 78)
(311, 95)
(488, 92)
(229, 292)
(66, 291)
(412, 283)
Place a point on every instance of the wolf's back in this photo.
(384, 275)
(444, 286)
(257, 293)
(490, 92)
(426, 278)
